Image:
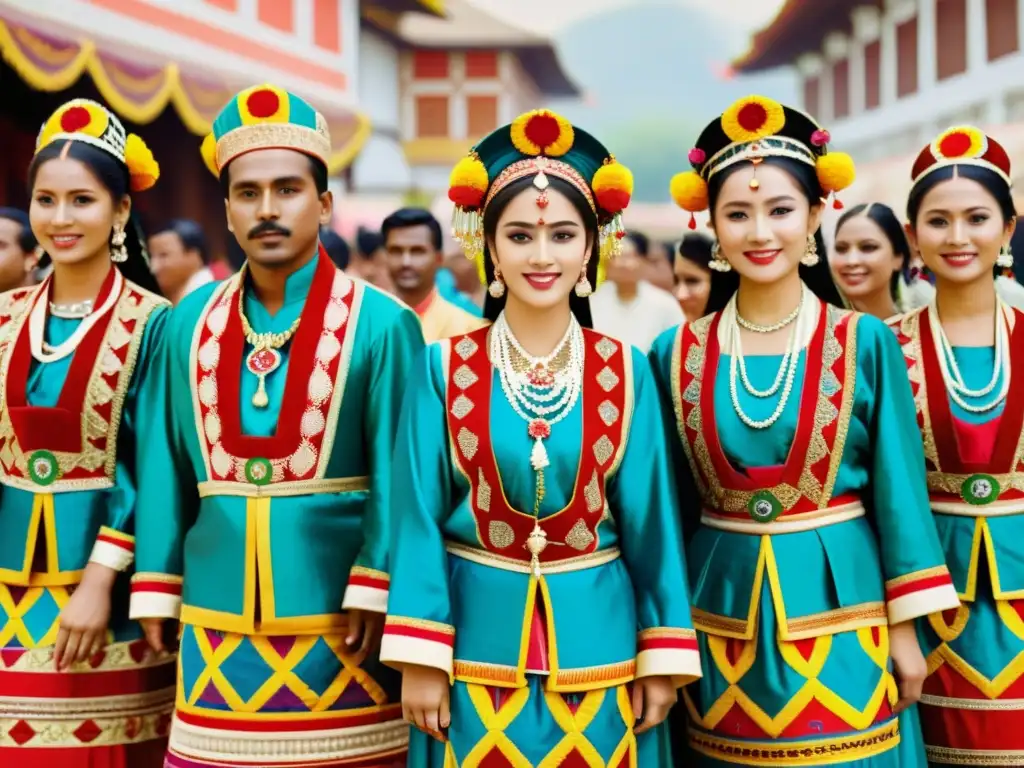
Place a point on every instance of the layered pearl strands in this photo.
(787, 368)
(954, 380)
(541, 395)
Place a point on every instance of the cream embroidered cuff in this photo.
(920, 593)
(418, 641)
(155, 596)
(367, 590)
(670, 652)
(113, 549)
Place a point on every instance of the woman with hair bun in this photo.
(814, 550)
(538, 606)
(78, 686)
(965, 355)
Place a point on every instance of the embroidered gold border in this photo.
(494, 560)
(341, 378)
(290, 488)
(801, 521)
(925, 573)
(97, 392)
(981, 705)
(976, 757)
(846, 748)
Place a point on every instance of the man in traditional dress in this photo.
(265, 473)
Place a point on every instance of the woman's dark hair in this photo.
(579, 306)
(696, 247)
(113, 175)
(26, 240)
(818, 278)
(885, 218)
(990, 180)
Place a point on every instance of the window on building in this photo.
(811, 90)
(950, 38)
(279, 14)
(872, 75)
(1002, 22)
(430, 65)
(432, 117)
(327, 25)
(481, 65)
(906, 58)
(481, 115)
(841, 89)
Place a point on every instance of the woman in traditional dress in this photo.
(815, 548)
(538, 605)
(963, 351)
(79, 687)
(868, 259)
(693, 274)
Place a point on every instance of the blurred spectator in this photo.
(179, 259)
(660, 260)
(626, 306)
(18, 250)
(369, 262)
(335, 246)
(467, 280)
(412, 243)
(693, 275)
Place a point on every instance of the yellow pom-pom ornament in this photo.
(468, 182)
(613, 186)
(836, 171)
(690, 191)
(209, 152)
(142, 166)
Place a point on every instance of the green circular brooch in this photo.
(258, 471)
(763, 507)
(43, 468)
(980, 489)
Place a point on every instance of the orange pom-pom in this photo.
(613, 186)
(690, 191)
(468, 182)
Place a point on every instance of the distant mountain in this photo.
(653, 76)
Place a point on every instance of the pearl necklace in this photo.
(47, 353)
(757, 328)
(540, 395)
(534, 395)
(954, 380)
(74, 311)
(787, 369)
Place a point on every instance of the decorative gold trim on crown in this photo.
(535, 165)
(769, 146)
(280, 135)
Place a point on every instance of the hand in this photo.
(910, 666)
(425, 693)
(84, 620)
(153, 629)
(653, 697)
(364, 632)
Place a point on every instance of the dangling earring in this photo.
(497, 286)
(118, 253)
(718, 261)
(810, 257)
(583, 286)
(1005, 260)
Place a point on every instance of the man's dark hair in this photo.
(641, 241)
(368, 242)
(404, 218)
(316, 168)
(191, 235)
(26, 240)
(335, 246)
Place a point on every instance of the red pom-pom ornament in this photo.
(263, 104)
(74, 119)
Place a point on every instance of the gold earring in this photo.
(810, 257)
(718, 261)
(1005, 259)
(583, 287)
(497, 286)
(118, 253)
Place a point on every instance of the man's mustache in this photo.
(268, 228)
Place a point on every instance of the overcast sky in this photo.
(742, 17)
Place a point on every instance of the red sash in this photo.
(605, 397)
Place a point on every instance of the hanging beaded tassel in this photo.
(468, 231)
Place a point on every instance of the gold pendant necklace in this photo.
(265, 357)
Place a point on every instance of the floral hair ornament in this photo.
(91, 123)
(963, 145)
(752, 129)
(541, 144)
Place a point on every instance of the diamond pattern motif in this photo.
(608, 379)
(608, 412)
(466, 348)
(605, 348)
(461, 407)
(603, 450)
(464, 377)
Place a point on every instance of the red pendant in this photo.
(263, 361)
(539, 429)
(540, 377)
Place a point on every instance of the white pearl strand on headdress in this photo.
(951, 375)
(540, 406)
(787, 368)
